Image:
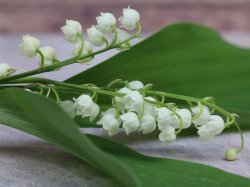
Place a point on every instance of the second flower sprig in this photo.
(137, 108)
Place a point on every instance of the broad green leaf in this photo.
(41, 117)
(185, 59)
(159, 172)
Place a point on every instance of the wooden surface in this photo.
(50, 15)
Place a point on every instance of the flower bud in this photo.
(110, 124)
(214, 126)
(29, 46)
(148, 124)
(95, 36)
(4, 69)
(134, 101)
(49, 54)
(129, 19)
(72, 30)
(135, 85)
(67, 106)
(230, 154)
(106, 22)
(130, 122)
(167, 135)
(203, 115)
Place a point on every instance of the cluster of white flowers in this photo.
(133, 111)
(98, 35)
(31, 47)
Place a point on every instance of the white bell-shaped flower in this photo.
(109, 123)
(29, 46)
(135, 85)
(86, 50)
(148, 124)
(106, 22)
(166, 118)
(95, 36)
(186, 118)
(203, 115)
(134, 101)
(167, 135)
(4, 69)
(122, 36)
(111, 111)
(67, 106)
(122, 100)
(85, 46)
(149, 108)
(85, 106)
(72, 30)
(214, 126)
(130, 18)
(95, 111)
(130, 122)
(49, 54)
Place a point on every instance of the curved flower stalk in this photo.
(134, 106)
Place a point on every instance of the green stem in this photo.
(82, 87)
(241, 138)
(48, 92)
(115, 36)
(192, 99)
(42, 57)
(56, 94)
(106, 92)
(82, 45)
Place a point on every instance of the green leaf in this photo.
(160, 172)
(185, 59)
(42, 117)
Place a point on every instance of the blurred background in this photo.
(50, 15)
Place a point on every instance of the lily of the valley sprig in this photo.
(133, 105)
